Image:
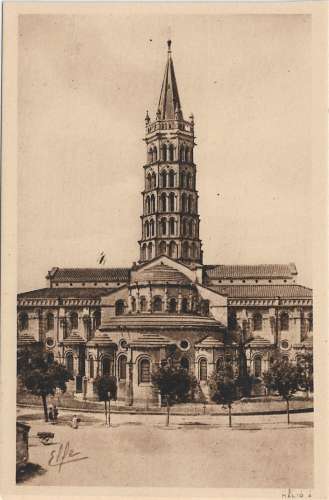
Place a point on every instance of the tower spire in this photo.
(169, 102)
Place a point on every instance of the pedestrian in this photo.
(51, 415)
(75, 422)
(55, 414)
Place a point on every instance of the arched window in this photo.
(205, 307)
(163, 202)
(171, 152)
(203, 369)
(150, 251)
(284, 321)
(69, 362)
(184, 362)
(185, 250)
(182, 179)
(23, 321)
(148, 204)
(184, 305)
(143, 303)
(190, 228)
(173, 305)
(143, 256)
(310, 321)
(171, 202)
(107, 366)
(257, 321)
(171, 226)
(50, 321)
(97, 319)
(171, 179)
(163, 178)
(163, 226)
(149, 182)
(173, 250)
(188, 180)
(220, 365)
(74, 320)
(122, 368)
(182, 153)
(153, 180)
(163, 152)
(157, 304)
(190, 204)
(152, 204)
(144, 371)
(184, 227)
(147, 229)
(184, 202)
(91, 367)
(187, 154)
(194, 250)
(258, 366)
(119, 307)
(133, 304)
(150, 155)
(152, 227)
(163, 248)
(155, 154)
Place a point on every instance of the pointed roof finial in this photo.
(169, 103)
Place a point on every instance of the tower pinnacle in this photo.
(169, 103)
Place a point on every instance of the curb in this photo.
(161, 412)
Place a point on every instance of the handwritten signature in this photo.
(64, 455)
(296, 494)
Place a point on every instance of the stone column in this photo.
(166, 299)
(190, 301)
(179, 302)
(150, 298)
(130, 384)
(62, 324)
(129, 300)
(138, 305)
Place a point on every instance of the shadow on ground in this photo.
(29, 471)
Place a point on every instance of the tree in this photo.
(283, 378)
(40, 374)
(175, 385)
(305, 372)
(223, 390)
(106, 388)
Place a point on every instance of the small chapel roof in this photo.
(64, 292)
(85, 274)
(251, 271)
(263, 291)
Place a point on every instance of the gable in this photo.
(192, 275)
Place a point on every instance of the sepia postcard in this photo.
(164, 250)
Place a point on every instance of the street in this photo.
(138, 450)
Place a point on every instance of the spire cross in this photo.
(169, 46)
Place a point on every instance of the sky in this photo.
(84, 85)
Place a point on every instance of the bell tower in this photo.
(170, 220)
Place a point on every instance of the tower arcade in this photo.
(170, 220)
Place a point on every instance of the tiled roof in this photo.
(209, 341)
(252, 271)
(263, 291)
(258, 341)
(89, 274)
(161, 273)
(150, 340)
(54, 293)
(74, 338)
(159, 321)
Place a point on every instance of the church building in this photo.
(127, 321)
